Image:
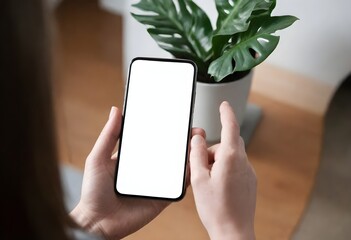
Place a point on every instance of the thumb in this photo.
(108, 137)
(198, 159)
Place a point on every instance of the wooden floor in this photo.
(284, 150)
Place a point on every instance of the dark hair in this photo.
(31, 195)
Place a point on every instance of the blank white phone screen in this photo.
(157, 123)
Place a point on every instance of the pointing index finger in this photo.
(230, 127)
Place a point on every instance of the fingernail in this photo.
(112, 112)
(197, 140)
(225, 103)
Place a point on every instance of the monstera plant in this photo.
(244, 35)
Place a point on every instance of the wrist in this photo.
(232, 233)
(87, 223)
(232, 236)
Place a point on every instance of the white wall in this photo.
(318, 45)
(116, 6)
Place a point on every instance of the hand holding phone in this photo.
(157, 120)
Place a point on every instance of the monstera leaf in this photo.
(251, 48)
(232, 18)
(185, 32)
(243, 37)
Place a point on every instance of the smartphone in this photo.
(156, 129)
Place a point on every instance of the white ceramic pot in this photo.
(209, 96)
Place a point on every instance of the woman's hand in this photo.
(99, 210)
(224, 182)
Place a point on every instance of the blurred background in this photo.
(300, 149)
